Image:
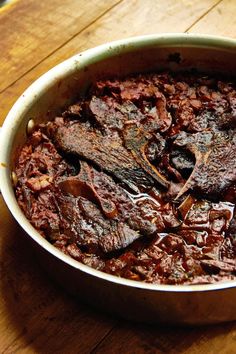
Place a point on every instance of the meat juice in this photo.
(137, 178)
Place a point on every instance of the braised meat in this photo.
(215, 165)
(136, 140)
(138, 178)
(107, 152)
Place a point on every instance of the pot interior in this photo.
(71, 79)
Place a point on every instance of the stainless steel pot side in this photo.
(197, 304)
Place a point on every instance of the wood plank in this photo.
(163, 16)
(220, 21)
(31, 30)
(35, 314)
(140, 339)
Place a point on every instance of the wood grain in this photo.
(128, 18)
(31, 30)
(36, 316)
(138, 339)
(221, 20)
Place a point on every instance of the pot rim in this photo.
(57, 73)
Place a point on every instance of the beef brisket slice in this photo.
(215, 167)
(84, 223)
(106, 152)
(136, 140)
(113, 201)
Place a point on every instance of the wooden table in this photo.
(36, 316)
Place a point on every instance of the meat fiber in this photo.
(106, 152)
(138, 178)
(215, 166)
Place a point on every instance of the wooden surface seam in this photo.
(203, 15)
(36, 315)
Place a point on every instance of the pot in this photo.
(183, 304)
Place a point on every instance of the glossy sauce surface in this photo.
(137, 179)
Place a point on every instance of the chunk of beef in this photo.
(130, 111)
(198, 213)
(82, 185)
(222, 111)
(77, 224)
(215, 167)
(228, 247)
(107, 152)
(147, 96)
(74, 111)
(155, 147)
(119, 237)
(200, 121)
(204, 215)
(141, 214)
(184, 114)
(171, 172)
(85, 224)
(136, 140)
(104, 112)
(217, 266)
(39, 165)
(228, 120)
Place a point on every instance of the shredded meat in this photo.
(138, 178)
(107, 152)
(215, 167)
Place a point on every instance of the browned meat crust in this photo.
(138, 178)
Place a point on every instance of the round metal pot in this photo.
(197, 304)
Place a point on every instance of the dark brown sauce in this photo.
(137, 179)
